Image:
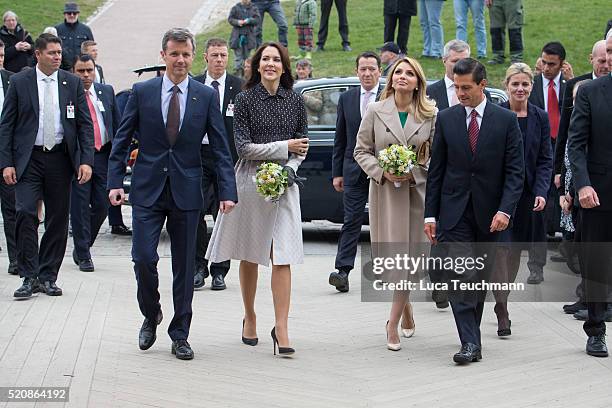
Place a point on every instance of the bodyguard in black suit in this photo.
(227, 87)
(548, 90)
(443, 91)
(7, 192)
(474, 183)
(89, 202)
(45, 140)
(348, 177)
(171, 115)
(589, 149)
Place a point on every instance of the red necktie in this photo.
(473, 130)
(94, 119)
(553, 110)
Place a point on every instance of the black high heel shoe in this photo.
(282, 351)
(246, 340)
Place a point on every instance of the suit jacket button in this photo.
(165, 169)
(472, 174)
(170, 150)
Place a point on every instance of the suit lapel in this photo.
(531, 129)
(62, 88)
(485, 125)
(107, 108)
(157, 102)
(388, 114)
(606, 90)
(539, 92)
(191, 99)
(5, 81)
(33, 85)
(441, 94)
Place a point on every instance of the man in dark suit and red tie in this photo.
(348, 177)
(171, 115)
(89, 202)
(589, 147)
(548, 90)
(46, 139)
(474, 183)
(226, 86)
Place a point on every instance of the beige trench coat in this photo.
(255, 226)
(396, 214)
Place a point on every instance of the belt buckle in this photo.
(45, 149)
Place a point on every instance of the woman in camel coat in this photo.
(405, 116)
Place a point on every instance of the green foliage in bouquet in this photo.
(397, 160)
(271, 181)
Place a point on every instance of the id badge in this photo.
(230, 110)
(70, 111)
(101, 106)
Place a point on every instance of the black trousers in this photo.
(89, 205)
(114, 216)
(47, 177)
(354, 198)
(466, 240)
(403, 31)
(210, 190)
(596, 238)
(147, 223)
(7, 202)
(343, 27)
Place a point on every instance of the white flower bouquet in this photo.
(397, 160)
(271, 181)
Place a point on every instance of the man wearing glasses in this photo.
(73, 34)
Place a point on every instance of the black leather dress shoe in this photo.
(320, 48)
(199, 276)
(218, 282)
(86, 265)
(12, 268)
(51, 289)
(469, 353)
(535, 278)
(441, 298)
(340, 280)
(27, 288)
(574, 307)
(596, 346)
(182, 350)
(120, 230)
(347, 48)
(148, 332)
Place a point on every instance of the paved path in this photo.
(88, 340)
(129, 32)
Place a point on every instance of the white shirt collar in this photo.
(41, 75)
(556, 80)
(449, 82)
(92, 92)
(221, 80)
(480, 108)
(363, 90)
(167, 84)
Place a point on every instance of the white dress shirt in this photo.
(545, 83)
(59, 111)
(371, 99)
(209, 80)
(450, 90)
(166, 94)
(100, 116)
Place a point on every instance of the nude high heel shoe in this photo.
(391, 346)
(407, 323)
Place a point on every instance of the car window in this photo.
(322, 104)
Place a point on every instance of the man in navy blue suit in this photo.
(348, 178)
(88, 202)
(474, 183)
(171, 115)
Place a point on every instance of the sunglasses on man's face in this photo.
(72, 13)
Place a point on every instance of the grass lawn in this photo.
(36, 15)
(568, 21)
